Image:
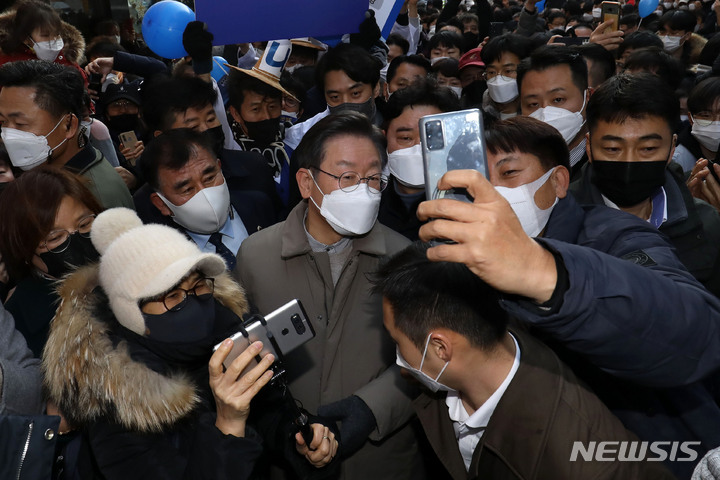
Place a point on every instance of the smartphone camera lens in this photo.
(434, 135)
(298, 324)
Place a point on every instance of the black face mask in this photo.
(80, 251)
(264, 132)
(123, 123)
(628, 183)
(192, 323)
(367, 108)
(216, 137)
(471, 40)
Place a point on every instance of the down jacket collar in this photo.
(89, 378)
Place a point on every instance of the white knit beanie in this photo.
(142, 261)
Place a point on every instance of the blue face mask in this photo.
(192, 323)
(431, 383)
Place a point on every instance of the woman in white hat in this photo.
(129, 360)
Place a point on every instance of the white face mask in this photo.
(49, 50)
(406, 165)
(110, 79)
(566, 122)
(502, 89)
(671, 42)
(422, 377)
(457, 91)
(587, 17)
(596, 12)
(349, 214)
(683, 118)
(707, 135)
(206, 212)
(667, 5)
(27, 150)
(522, 200)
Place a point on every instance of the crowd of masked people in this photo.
(563, 323)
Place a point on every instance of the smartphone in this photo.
(611, 10)
(496, 29)
(452, 141)
(712, 169)
(281, 332)
(94, 83)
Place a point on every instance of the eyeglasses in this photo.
(290, 102)
(58, 241)
(705, 118)
(349, 181)
(176, 298)
(507, 72)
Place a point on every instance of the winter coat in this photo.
(692, 226)
(634, 324)
(352, 353)
(137, 421)
(534, 440)
(104, 182)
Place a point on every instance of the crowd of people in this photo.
(562, 323)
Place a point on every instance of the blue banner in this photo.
(233, 21)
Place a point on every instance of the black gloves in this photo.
(368, 32)
(197, 42)
(357, 420)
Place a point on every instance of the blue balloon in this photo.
(219, 69)
(540, 6)
(646, 7)
(163, 27)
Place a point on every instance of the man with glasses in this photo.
(322, 255)
(631, 119)
(502, 56)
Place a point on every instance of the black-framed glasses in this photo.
(176, 298)
(58, 241)
(349, 181)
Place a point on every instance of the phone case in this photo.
(461, 146)
(611, 10)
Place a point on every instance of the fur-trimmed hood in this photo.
(89, 378)
(74, 49)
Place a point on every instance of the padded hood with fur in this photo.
(88, 378)
(74, 49)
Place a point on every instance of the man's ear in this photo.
(304, 181)
(376, 90)
(72, 126)
(560, 179)
(441, 344)
(235, 114)
(386, 91)
(588, 150)
(672, 150)
(160, 205)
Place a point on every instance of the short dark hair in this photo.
(30, 205)
(468, 17)
(510, 42)
(639, 39)
(555, 14)
(102, 47)
(425, 92)
(400, 41)
(58, 89)
(657, 61)
(529, 135)
(239, 83)
(678, 20)
(426, 295)
(603, 62)
(447, 39)
(631, 19)
(549, 56)
(29, 15)
(633, 96)
(173, 150)
(311, 151)
(703, 95)
(167, 97)
(355, 61)
(417, 60)
(447, 66)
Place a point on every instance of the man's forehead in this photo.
(552, 78)
(635, 127)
